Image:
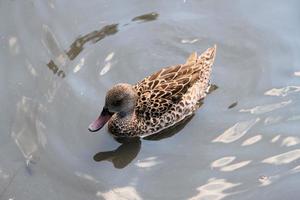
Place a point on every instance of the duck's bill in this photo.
(100, 121)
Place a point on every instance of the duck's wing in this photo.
(159, 91)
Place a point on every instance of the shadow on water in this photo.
(130, 148)
(95, 36)
(122, 156)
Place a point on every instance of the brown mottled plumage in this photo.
(160, 100)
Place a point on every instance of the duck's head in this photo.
(120, 99)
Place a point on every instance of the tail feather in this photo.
(205, 62)
(192, 58)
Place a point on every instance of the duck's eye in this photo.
(117, 102)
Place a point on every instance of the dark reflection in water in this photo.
(78, 45)
(146, 17)
(54, 68)
(95, 36)
(28, 166)
(212, 88)
(122, 156)
(233, 105)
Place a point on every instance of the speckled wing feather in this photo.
(159, 91)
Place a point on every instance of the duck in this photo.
(159, 101)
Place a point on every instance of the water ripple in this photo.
(283, 158)
(252, 140)
(266, 108)
(222, 161)
(290, 141)
(79, 65)
(147, 163)
(236, 131)
(214, 190)
(297, 73)
(283, 91)
(275, 139)
(189, 41)
(14, 45)
(123, 193)
(235, 166)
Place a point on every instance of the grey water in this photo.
(58, 58)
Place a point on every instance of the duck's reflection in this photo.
(129, 148)
(122, 156)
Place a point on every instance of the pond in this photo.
(58, 59)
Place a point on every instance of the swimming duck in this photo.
(159, 101)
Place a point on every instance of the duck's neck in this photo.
(123, 124)
(122, 114)
(125, 115)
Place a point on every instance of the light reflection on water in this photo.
(121, 193)
(252, 140)
(283, 91)
(222, 161)
(236, 131)
(266, 108)
(214, 189)
(283, 158)
(57, 64)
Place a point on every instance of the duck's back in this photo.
(173, 93)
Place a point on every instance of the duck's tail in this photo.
(206, 60)
(203, 63)
(202, 66)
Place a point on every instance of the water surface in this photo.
(59, 58)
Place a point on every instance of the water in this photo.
(58, 59)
